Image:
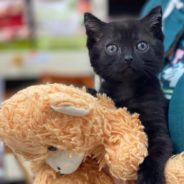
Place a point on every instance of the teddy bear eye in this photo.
(52, 148)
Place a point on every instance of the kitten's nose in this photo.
(128, 59)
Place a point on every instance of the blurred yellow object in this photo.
(18, 60)
(77, 80)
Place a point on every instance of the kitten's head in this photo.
(127, 49)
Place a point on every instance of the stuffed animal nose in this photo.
(128, 58)
(58, 168)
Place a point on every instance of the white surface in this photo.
(56, 18)
(58, 62)
(100, 9)
(1, 90)
(12, 170)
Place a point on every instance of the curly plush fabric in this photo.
(112, 140)
(113, 137)
(175, 169)
(88, 174)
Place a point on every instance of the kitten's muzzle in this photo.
(128, 59)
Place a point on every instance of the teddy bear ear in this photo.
(71, 110)
(68, 105)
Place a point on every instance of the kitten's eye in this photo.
(142, 46)
(52, 148)
(111, 49)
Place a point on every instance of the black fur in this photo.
(130, 79)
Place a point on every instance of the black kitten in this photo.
(128, 56)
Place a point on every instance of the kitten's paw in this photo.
(145, 178)
(150, 173)
(149, 179)
(92, 91)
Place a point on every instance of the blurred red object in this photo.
(84, 6)
(12, 21)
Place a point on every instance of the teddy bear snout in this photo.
(65, 162)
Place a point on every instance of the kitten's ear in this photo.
(154, 17)
(154, 21)
(93, 26)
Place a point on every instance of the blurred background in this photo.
(44, 41)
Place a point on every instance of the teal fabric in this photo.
(152, 3)
(176, 116)
(173, 27)
(172, 71)
(173, 24)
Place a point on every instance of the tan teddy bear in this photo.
(72, 137)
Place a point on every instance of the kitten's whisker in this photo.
(149, 72)
(152, 65)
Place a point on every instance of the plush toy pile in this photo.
(71, 137)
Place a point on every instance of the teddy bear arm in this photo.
(84, 175)
(174, 170)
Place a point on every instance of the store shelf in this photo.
(25, 64)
